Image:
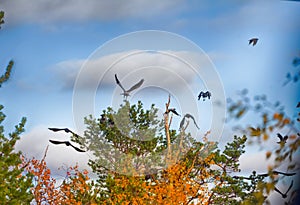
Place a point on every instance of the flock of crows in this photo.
(126, 93)
(204, 95)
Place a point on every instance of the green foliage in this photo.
(1, 18)
(6, 75)
(14, 185)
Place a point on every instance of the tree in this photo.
(74, 189)
(14, 186)
(125, 144)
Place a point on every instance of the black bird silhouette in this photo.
(204, 95)
(187, 116)
(67, 143)
(284, 195)
(276, 173)
(67, 130)
(282, 139)
(253, 41)
(173, 110)
(126, 92)
(61, 129)
(298, 105)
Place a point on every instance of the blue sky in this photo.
(49, 40)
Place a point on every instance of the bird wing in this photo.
(191, 116)
(279, 136)
(119, 83)
(275, 189)
(255, 41)
(250, 41)
(208, 94)
(174, 111)
(54, 129)
(200, 94)
(136, 85)
(77, 149)
(57, 142)
(290, 187)
(285, 138)
(182, 123)
(298, 105)
(286, 174)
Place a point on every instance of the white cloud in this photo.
(76, 10)
(163, 67)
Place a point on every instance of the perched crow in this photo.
(253, 41)
(126, 92)
(285, 194)
(173, 110)
(183, 120)
(282, 139)
(67, 143)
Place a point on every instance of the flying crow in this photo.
(285, 194)
(126, 92)
(173, 110)
(253, 41)
(67, 143)
(183, 120)
(282, 139)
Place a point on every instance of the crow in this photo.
(204, 95)
(183, 120)
(253, 41)
(126, 92)
(276, 173)
(282, 139)
(61, 129)
(173, 110)
(67, 130)
(67, 143)
(285, 194)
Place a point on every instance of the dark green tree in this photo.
(14, 183)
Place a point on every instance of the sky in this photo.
(67, 52)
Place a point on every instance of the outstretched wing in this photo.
(57, 142)
(60, 129)
(275, 189)
(290, 187)
(55, 129)
(286, 174)
(181, 123)
(279, 136)
(200, 94)
(174, 111)
(191, 116)
(255, 41)
(136, 85)
(77, 149)
(118, 82)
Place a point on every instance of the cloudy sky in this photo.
(66, 54)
